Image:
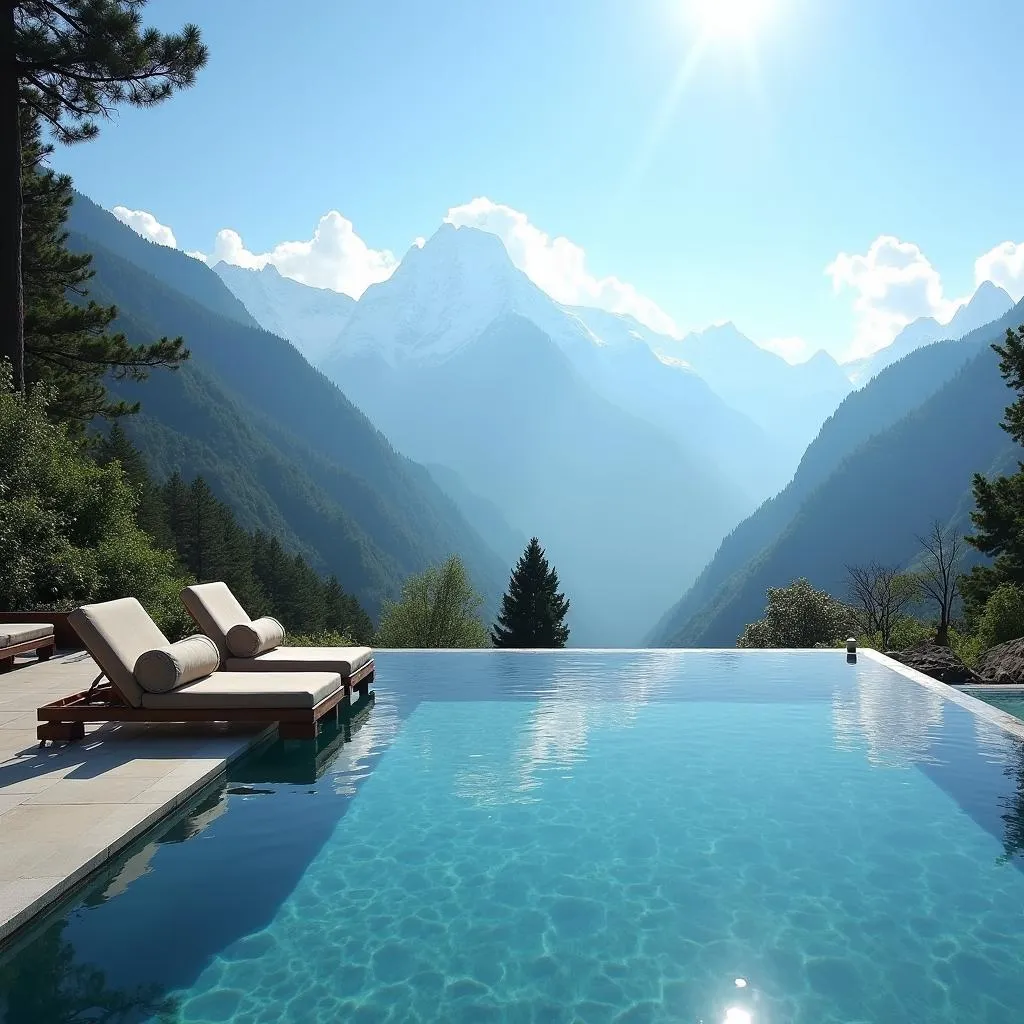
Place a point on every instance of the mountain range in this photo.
(274, 438)
(897, 455)
(563, 418)
(649, 465)
(587, 430)
(310, 318)
(988, 303)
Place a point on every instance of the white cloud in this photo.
(894, 283)
(792, 349)
(558, 266)
(335, 257)
(1004, 266)
(146, 225)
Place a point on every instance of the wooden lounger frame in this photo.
(44, 646)
(65, 719)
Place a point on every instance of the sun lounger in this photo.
(25, 638)
(257, 646)
(149, 679)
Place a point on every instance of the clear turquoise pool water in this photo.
(1012, 704)
(576, 837)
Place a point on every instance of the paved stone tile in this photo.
(66, 809)
(100, 790)
(19, 896)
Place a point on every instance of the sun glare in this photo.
(730, 17)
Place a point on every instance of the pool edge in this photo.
(958, 695)
(20, 920)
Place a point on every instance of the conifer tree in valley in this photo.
(151, 511)
(532, 609)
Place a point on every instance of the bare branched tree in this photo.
(939, 577)
(881, 595)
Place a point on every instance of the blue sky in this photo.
(828, 125)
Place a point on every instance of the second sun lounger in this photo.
(256, 646)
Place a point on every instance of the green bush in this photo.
(968, 646)
(319, 638)
(68, 534)
(907, 632)
(438, 608)
(1003, 617)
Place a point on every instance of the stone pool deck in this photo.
(66, 809)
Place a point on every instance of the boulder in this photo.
(1003, 663)
(938, 662)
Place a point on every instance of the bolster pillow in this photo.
(166, 668)
(248, 639)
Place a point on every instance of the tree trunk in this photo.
(12, 310)
(942, 636)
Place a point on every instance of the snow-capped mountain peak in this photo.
(310, 318)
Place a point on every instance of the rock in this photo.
(1003, 663)
(938, 662)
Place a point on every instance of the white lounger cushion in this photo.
(167, 668)
(248, 639)
(215, 610)
(117, 634)
(12, 633)
(248, 690)
(346, 661)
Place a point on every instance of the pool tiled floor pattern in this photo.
(66, 809)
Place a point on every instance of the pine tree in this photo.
(71, 62)
(175, 499)
(532, 609)
(342, 613)
(999, 516)
(151, 511)
(67, 343)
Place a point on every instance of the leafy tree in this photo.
(999, 516)
(880, 595)
(438, 608)
(799, 616)
(71, 62)
(532, 609)
(940, 574)
(68, 533)
(1003, 617)
(67, 344)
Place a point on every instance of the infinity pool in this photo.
(741, 837)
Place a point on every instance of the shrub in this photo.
(438, 608)
(68, 533)
(319, 638)
(1003, 617)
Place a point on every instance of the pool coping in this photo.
(958, 694)
(11, 927)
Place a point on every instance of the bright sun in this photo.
(730, 17)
